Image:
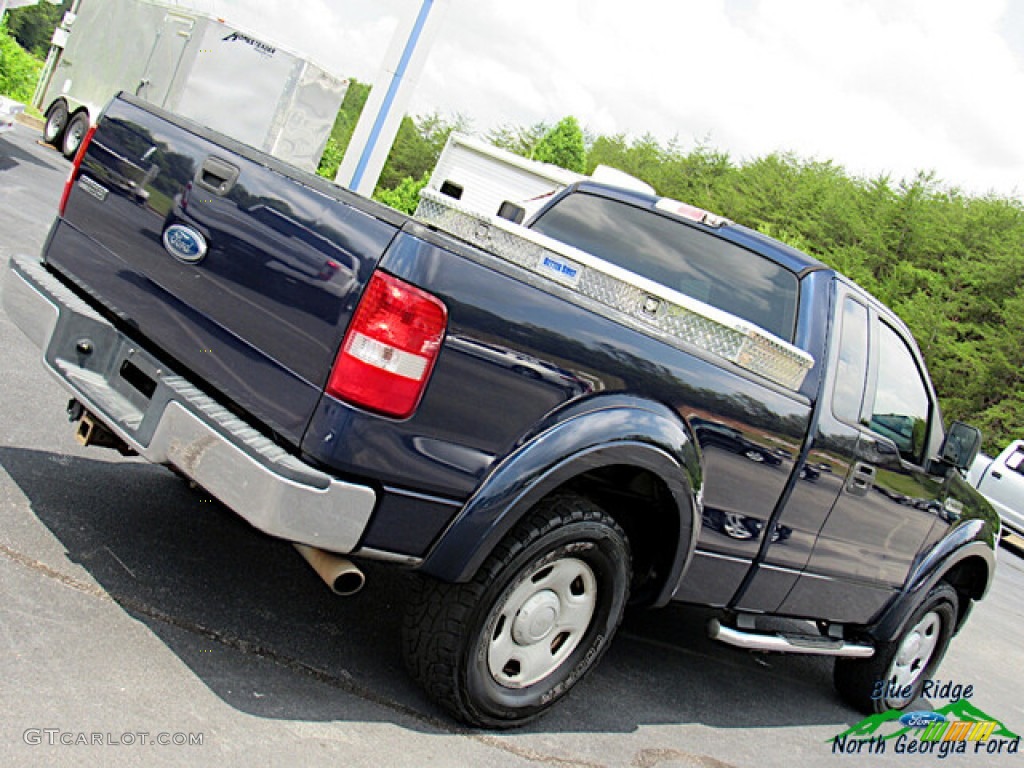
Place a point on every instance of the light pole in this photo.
(381, 117)
(56, 47)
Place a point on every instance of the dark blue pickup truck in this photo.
(628, 401)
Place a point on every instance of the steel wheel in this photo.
(914, 655)
(542, 622)
(499, 650)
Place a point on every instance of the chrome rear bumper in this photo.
(167, 420)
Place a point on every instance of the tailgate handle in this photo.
(217, 176)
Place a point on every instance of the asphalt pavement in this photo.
(143, 624)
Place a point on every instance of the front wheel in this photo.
(501, 649)
(894, 676)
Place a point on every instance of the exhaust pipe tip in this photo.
(348, 583)
(341, 575)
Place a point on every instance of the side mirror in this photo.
(961, 445)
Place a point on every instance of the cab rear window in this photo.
(678, 256)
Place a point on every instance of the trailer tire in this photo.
(500, 650)
(56, 123)
(74, 133)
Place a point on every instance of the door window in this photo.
(851, 372)
(1016, 461)
(901, 408)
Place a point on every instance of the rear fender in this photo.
(601, 432)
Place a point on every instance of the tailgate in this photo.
(241, 269)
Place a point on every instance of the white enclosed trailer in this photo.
(195, 65)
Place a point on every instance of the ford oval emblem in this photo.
(921, 719)
(184, 243)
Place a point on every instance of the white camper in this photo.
(195, 65)
(483, 177)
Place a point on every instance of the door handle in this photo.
(862, 479)
(217, 176)
(997, 475)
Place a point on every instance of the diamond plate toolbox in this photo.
(673, 317)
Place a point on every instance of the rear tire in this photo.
(906, 662)
(74, 134)
(501, 649)
(56, 122)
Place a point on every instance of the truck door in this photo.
(878, 427)
(165, 58)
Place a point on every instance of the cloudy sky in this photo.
(878, 86)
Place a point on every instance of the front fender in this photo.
(603, 432)
(971, 539)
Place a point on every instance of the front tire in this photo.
(876, 685)
(501, 649)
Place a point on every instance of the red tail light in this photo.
(390, 348)
(73, 176)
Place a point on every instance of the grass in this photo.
(159, 202)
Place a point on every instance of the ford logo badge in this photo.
(184, 243)
(921, 719)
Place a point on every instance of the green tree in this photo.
(32, 26)
(522, 140)
(344, 125)
(330, 160)
(19, 71)
(417, 146)
(563, 146)
(404, 197)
